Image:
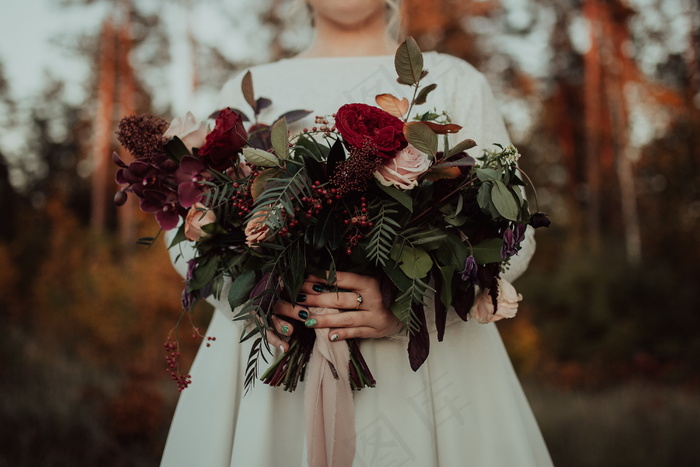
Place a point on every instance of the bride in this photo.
(464, 406)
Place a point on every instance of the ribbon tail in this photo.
(330, 413)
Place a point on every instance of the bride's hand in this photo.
(363, 314)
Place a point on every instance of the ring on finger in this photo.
(359, 301)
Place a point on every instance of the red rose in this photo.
(360, 123)
(225, 141)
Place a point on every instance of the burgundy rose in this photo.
(360, 124)
(225, 141)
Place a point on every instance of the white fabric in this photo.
(463, 407)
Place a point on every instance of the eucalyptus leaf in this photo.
(487, 174)
(504, 201)
(261, 158)
(415, 262)
(240, 289)
(279, 137)
(409, 62)
(421, 137)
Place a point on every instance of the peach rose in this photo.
(256, 231)
(192, 133)
(403, 170)
(197, 217)
(507, 300)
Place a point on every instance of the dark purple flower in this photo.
(189, 297)
(539, 219)
(512, 239)
(188, 176)
(470, 270)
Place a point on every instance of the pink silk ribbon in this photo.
(330, 413)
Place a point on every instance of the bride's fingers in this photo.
(286, 309)
(275, 341)
(347, 319)
(340, 300)
(353, 333)
(344, 280)
(282, 326)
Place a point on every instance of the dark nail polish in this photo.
(318, 288)
(301, 297)
(303, 314)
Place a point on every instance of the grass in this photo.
(635, 424)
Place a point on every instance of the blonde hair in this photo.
(300, 9)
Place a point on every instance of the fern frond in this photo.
(382, 235)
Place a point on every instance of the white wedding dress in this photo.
(463, 407)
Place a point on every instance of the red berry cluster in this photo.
(320, 195)
(357, 219)
(173, 361)
(241, 199)
(324, 127)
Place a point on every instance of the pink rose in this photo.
(191, 133)
(507, 300)
(197, 217)
(403, 170)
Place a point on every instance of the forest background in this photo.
(601, 97)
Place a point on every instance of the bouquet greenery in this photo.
(367, 190)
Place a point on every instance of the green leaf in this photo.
(204, 273)
(261, 158)
(258, 185)
(336, 155)
(461, 147)
(447, 273)
(399, 195)
(393, 272)
(488, 251)
(423, 94)
(409, 62)
(176, 148)
(483, 197)
(326, 230)
(422, 137)
(487, 174)
(504, 202)
(247, 89)
(240, 289)
(279, 137)
(415, 262)
(179, 236)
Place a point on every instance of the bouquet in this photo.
(369, 189)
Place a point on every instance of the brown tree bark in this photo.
(103, 126)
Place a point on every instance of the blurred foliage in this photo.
(84, 316)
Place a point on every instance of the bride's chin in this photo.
(348, 13)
